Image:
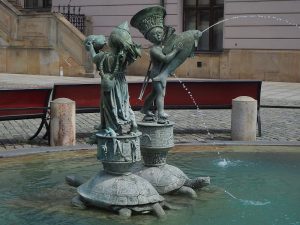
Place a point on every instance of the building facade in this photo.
(259, 40)
(33, 40)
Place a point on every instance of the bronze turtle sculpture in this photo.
(170, 179)
(122, 194)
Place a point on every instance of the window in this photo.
(37, 4)
(199, 15)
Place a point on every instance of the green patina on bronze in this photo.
(168, 52)
(120, 187)
(115, 107)
(115, 188)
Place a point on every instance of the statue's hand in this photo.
(88, 45)
(178, 46)
(121, 54)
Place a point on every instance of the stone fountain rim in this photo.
(79, 147)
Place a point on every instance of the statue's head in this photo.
(155, 35)
(150, 22)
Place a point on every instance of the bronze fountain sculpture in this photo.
(168, 52)
(116, 188)
(123, 186)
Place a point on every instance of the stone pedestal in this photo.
(243, 119)
(62, 124)
(117, 154)
(156, 141)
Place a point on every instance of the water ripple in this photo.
(248, 202)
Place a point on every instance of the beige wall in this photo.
(255, 48)
(40, 43)
(273, 27)
(268, 65)
(107, 14)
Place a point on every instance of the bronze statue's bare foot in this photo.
(133, 129)
(149, 118)
(163, 115)
(162, 118)
(147, 112)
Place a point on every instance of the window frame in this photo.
(212, 8)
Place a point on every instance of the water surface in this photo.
(247, 188)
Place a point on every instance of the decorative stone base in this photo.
(105, 190)
(118, 153)
(156, 141)
(156, 135)
(117, 168)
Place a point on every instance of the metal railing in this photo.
(73, 15)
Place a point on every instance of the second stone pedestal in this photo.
(156, 141)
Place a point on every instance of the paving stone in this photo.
(277, 125)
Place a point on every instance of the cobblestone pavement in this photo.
(191, 126)
(278, 125)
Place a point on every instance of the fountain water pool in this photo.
(259, 186)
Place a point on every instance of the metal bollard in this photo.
(62, 122)
(243, 119)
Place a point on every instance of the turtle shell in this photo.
(105, 190)
(165, 178)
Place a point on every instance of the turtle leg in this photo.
(158, 210)
(198, 182)
(125, 212)
(76, 201)
(74, 181)
(187, 191)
